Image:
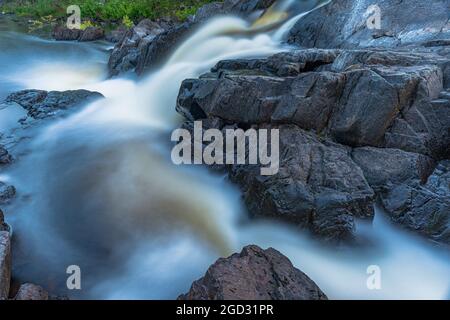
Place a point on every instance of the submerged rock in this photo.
(254, 274)
(5, 264)
(42, 104)
(30, 291)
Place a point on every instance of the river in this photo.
(98, 189)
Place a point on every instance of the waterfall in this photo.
(102, 193)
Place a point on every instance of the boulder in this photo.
(7, 192)
(62, 33)
(30, 291)
(254, 274)
(42, 104)
(132, 45)
(5, 264)
(362, 98)
(92, 34)
(5, 157)
(423, 208)
(343, 24)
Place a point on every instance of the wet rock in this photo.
(133, 43)
(318, 187)
(30, 291)
(423, 208)
(7, 193)
(343, 24)
(254, 274)
(115, 36)
(92, 34)
(3, 225)
(5, 157)
(5, 264)
(42, 104)
(362, 98)
(62, 33)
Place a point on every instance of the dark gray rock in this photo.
(318, 187)
(7, 193)
(42, 104)
(5, 264)
(132, 45)
(92, 34)
(5, 157)
(115, 36)
(62, 33)
(3, 225)
(424, 209)
(254, 274)
(343, 24)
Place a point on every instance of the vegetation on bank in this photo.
(104, 10)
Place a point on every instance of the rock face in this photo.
(254, 274)
(352, 123)
(42, 104)
(62, 33)
(5, 264)
(30, 291)
(147, 45)
(343, 24)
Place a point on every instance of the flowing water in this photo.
(98, 189)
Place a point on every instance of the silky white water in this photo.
(98, 190)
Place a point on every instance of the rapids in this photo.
(98, 188)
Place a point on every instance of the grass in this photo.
(105, 10)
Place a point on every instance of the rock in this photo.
(5, 264)
(92, 34)
(413, 190)
(3, 225)
(384, 167)
(254, 274)
(62, 33)
(5, 157)
(424, 209)
(133, 43)
(42, 104)
(318, 187)
(30, 291)
(358, 98)
(343, 24)
(7, 193)
(115, 36)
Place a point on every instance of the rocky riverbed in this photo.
(364, 120)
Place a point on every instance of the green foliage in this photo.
(106, 10)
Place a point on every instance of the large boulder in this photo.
(62, 33)
(42, 104)
(5, 264)
(254, 274)
(359, 98)
(343, 24)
